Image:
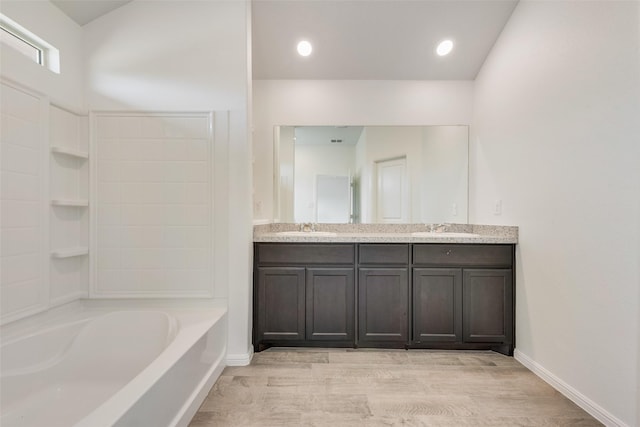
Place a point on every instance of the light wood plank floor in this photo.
(346, 387)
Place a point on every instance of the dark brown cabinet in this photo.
(437, 305)
(383, 305)
(330, 304)
(383, 295)
(281, 303)
(421, 295)
(470, 303)
(487, 302)
(303, 294)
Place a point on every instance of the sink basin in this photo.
(307, 233)
(442, 235)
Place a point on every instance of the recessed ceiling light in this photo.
(444, 48)
(304, 48)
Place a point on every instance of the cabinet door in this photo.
(383, 302)
(330, 304)
(437, 304)
(281, 302)
(488, 305)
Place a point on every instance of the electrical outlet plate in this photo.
(497, 208)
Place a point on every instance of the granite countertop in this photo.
(386, 233)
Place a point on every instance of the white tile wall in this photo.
(154, 212)
(23, 282)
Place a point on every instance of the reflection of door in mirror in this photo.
(392, 195)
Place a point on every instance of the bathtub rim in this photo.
(84, 309)
(78, 325)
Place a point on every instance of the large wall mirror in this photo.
(371, 174)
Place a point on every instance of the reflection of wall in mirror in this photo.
(361, 199)
(311, 161)
(444, 180)
(333, 199)
(285, 173)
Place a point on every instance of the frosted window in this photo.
(7, 38)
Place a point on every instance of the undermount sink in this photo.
(443, 234)
(307, 233)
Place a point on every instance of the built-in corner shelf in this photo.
(56, 149)
(70, 202)
(69, 252)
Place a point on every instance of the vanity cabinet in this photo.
(304, 293)
(437, 305)
(281, 303)
(383, 295)
(488, 305)
(404, 295)
(463, 296)
(330, 304)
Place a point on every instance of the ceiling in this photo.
(374, 39)
(358, 39)
(327, 135)
(85, 11)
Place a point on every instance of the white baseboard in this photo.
(571, 393)
(240, 359)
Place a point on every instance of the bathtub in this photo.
(111, 365)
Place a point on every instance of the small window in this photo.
(24, 41)
(21, 45)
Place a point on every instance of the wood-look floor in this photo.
(346, 387)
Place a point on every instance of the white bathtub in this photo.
(111, 366)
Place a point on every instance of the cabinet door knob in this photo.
(449, 252)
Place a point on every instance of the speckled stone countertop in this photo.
(386, 233)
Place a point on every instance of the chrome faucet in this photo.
(307, 227)
(438, 228)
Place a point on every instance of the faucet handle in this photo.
(438, 228)
(442, 227)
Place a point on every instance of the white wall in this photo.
(167, 55)
(47, 22)
(555, 137)
(190, 56)
(336, 102)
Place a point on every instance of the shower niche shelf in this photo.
(69, 252)
(70, 202)
(71, 152)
